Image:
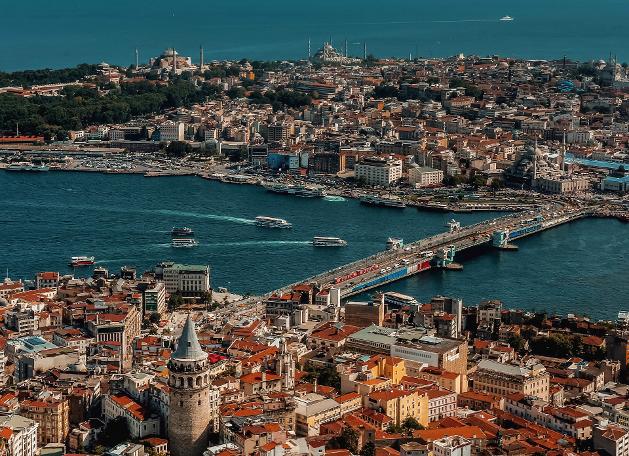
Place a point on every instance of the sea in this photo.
(62, 33)
(46, 218)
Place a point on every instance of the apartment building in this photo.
(189, 280)
(504, 379)
(51, 417)
(378, 171)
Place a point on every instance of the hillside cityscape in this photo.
(98, 358)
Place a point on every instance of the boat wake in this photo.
(257, 243)
(334, 199)
(222, 218)
(116, 260)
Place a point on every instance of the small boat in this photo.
(78, 261)
(272, 222)
(506, 18)
(325, 241)
(182, 231)
(183, 243)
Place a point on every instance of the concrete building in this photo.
(363, 314)
(561, 184)
(155, 299)
(141, 422)
(378, 171)
(23, 441)
(611, 439)
(51, 417)
(189, 280)
(313, 410)
(423, 176)
(503, 379)
(399, 404)
(452, 446)
(171, 131)
(191, 405)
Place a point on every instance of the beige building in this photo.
(424, 176)
(312, 411)
(399, 404)
(363, 314)
(378, 171)
(504, 379)
(52, 418)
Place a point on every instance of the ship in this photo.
(181, 231)
(272, 222)
(78, 261)
(27, 168)
(378, 201)
(394, 243)
(506, 18)
(325, 241)
(183, 243)
(296, 190)
(399, 300)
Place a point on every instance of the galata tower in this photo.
(189, 413)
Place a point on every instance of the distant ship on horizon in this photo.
(506, 18)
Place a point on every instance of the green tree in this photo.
(369, 449)
(155, 317)
(116, 431)
(348, 439)
(178, 149)
(175, 301)
(411, 424)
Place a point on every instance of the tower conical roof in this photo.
(188, 347)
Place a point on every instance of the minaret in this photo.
(563, 154)
(174, 61)
(201, 58)
(365, 50)
(309, 52)
(345, 49)
(191, 401)
(137, 59)
(534, 163)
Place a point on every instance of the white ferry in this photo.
(399, 300)
(272, 222)
(27, 167)
(386, 202)
(183, 243)
(77, 261)
(506, 18)
(395, 244)
(325, 241)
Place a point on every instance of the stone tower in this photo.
(190, 410)
(285, 366)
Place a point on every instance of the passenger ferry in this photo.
(27, 167)
(398, 300)
(272, 222)
(78, 261)
(394, 243)
(183, 243)
(324, 241)
(386, 202)
(506, 18)
(182, 231)
(296, 190)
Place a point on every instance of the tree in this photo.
(411, 424)
(178, 149)
(116, 431)
(155, 317)
(175, 301)
(327, 376)
(496, 184)
(369, 449)
(348, 440)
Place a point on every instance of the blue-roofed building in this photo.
(615, 184)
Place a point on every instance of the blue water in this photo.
(126, 219)
(44, 33)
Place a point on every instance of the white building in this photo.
(171, 131)
(378, 171)
(424, 176)
(23, 442)
(189, 280)
(612, 439)
(452, 446)
(155, 298)
(140, 422)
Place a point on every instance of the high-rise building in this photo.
(191, 401)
